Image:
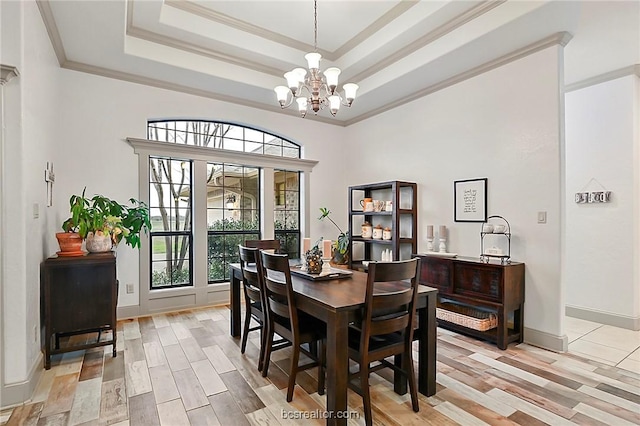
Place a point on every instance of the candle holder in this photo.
(443, 245)
(326, 266)
(429, 244)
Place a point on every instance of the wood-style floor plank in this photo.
(143, 410)
(61, 395)
(172, 413)
(184, 368)
(203, 416)
(191, 392)
(113, 403)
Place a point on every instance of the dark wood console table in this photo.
(496, 288)
(77, 295)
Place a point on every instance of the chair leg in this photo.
(267, 350)
(293, 371)
(322, 356)
(263, 336)
(408, 368)
(245, 332)
(366, 397)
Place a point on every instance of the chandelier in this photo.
(315, 89)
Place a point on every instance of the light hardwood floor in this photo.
(184, 368)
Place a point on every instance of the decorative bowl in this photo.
(499, 229)
(487, 227)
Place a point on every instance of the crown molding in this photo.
(7, 72)
(52, 30)
(430, 37)
(147, 81)
(561, 38)
(212, 15)
(603, 78)
(374, 27)
(203, 51)
(389, 16)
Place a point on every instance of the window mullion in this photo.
(267, 204)
(199, 227)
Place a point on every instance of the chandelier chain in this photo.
(315, 25)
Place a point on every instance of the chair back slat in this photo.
(389, 325)
(264, 244)
(393, 310)
(252, 284)
(276, 276)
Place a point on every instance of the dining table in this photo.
(338, 302)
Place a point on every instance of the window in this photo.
(170, 207)
(233, 214)
(287, 211)
(222, 136)
(205, 189)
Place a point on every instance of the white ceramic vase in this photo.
(98, 243)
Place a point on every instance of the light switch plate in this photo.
(129, 288)
(542, 217)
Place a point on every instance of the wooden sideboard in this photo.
(491, 287)
(77, 295)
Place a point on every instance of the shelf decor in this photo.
(470, 200)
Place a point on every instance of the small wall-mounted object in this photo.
(601, 196)
(593, 197)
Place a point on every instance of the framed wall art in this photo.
(470, 200)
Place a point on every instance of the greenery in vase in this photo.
(103, 216)
(341, 245)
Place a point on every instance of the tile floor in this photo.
(604, 343)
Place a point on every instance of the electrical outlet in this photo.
(129, 288)
(542, 217)
(35, 333)
(36, 210)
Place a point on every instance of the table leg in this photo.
(337, 368)
(236, 277)
(427, 347)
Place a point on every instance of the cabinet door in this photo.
(481, 281)
(436, 272)
(81, 297)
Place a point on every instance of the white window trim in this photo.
(202, 293)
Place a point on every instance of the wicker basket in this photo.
(467, 316)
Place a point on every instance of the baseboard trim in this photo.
(126, 312)
(18, 393)
(607, 318)
(546, 340)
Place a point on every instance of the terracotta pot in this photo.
(70, 244)
(98, 243)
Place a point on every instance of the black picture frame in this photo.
(470, 200)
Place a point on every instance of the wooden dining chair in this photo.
(386, 327)
(253, 298)
(264, 244)
(284, 319)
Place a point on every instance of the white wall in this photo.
(30, 117)
(118, 109)
(503, 125)
(602, 239)
(79, 121)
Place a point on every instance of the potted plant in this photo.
(340, 255)
(103, 222)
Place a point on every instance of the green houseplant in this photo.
(105, 219)
(341, 244)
